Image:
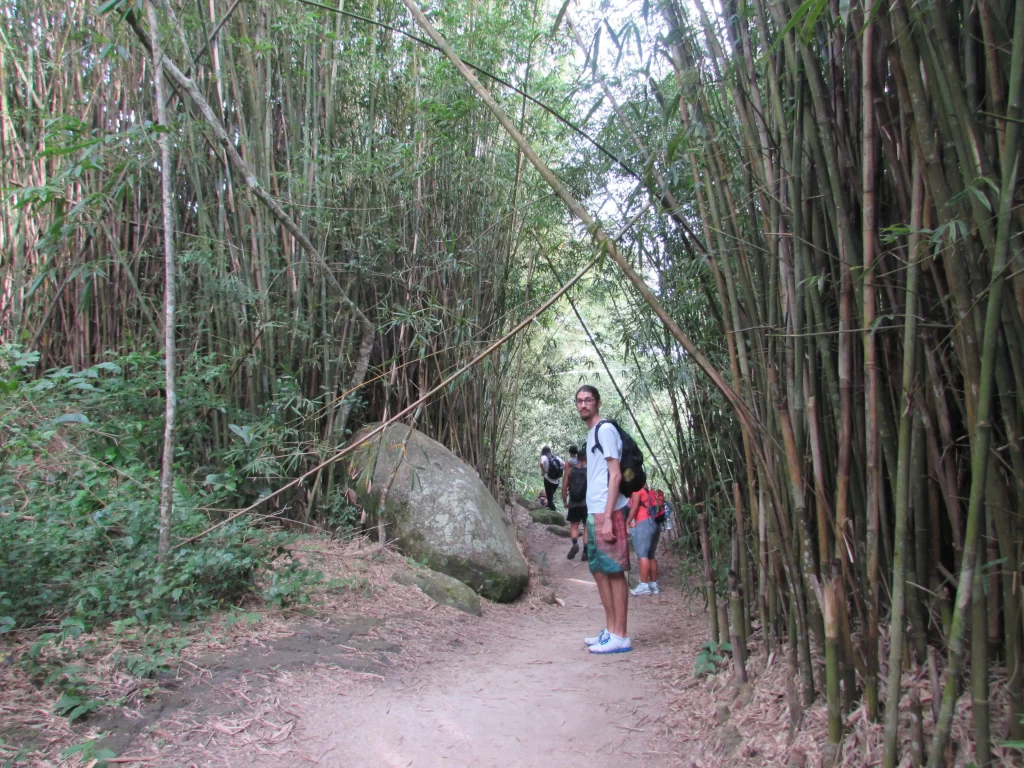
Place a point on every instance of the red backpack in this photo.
(656, 505)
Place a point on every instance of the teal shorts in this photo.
(608, 556)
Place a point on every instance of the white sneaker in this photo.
(597, 639)
(614, 644)
(654, 587)
(642, 589)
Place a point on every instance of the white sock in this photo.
(652, 584)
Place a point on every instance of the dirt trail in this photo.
(524, 692)
(417, 684)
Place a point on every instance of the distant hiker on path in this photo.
(574, 497)
(645, 531)
(606, 524)
(551, 469)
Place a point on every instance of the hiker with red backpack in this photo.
(646, 513)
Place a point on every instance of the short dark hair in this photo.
(591, 389)
(546, 450)
(573, 450)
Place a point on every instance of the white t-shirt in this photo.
(597, 468)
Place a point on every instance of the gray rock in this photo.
(439, 512)
(829, 753)
(559, 530)
(442, 588)
(545, 516)
(744, 695)
(528, 504)
(722, 713)
(731, 739)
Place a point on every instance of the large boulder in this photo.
(438, 511)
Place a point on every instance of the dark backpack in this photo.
(578, 485)
(555, 467)
(632, 462)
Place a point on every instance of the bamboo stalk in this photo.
(979, 663)
(874, 471)
(830, 610)
(903, 479)
(736, 638)
(981, 440)
(741, 537)
(709, 578)
(170, 357)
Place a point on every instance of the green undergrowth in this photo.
(711, 658)
(79, 501)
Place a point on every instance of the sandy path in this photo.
(521, 691)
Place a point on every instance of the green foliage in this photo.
(710, 658)
(79, 504)
(337, 513)
(91, 753)
(291, 584)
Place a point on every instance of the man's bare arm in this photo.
(614, 480)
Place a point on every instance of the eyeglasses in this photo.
(585, 400)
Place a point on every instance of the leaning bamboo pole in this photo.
(595, 229)
(424, 398)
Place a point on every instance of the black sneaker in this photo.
(584, 558)
(573, 550)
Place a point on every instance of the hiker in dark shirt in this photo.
(574, 497)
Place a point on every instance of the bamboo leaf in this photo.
(110, 6)
(559, 17)
(593, 109)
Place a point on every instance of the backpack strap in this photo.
(597, 434)
(645, 499)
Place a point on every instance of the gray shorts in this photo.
(645, 538)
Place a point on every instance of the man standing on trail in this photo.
(551, 472)
(606, 523)
(574, 498)
(645, 531)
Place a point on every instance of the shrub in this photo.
(79, 505)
